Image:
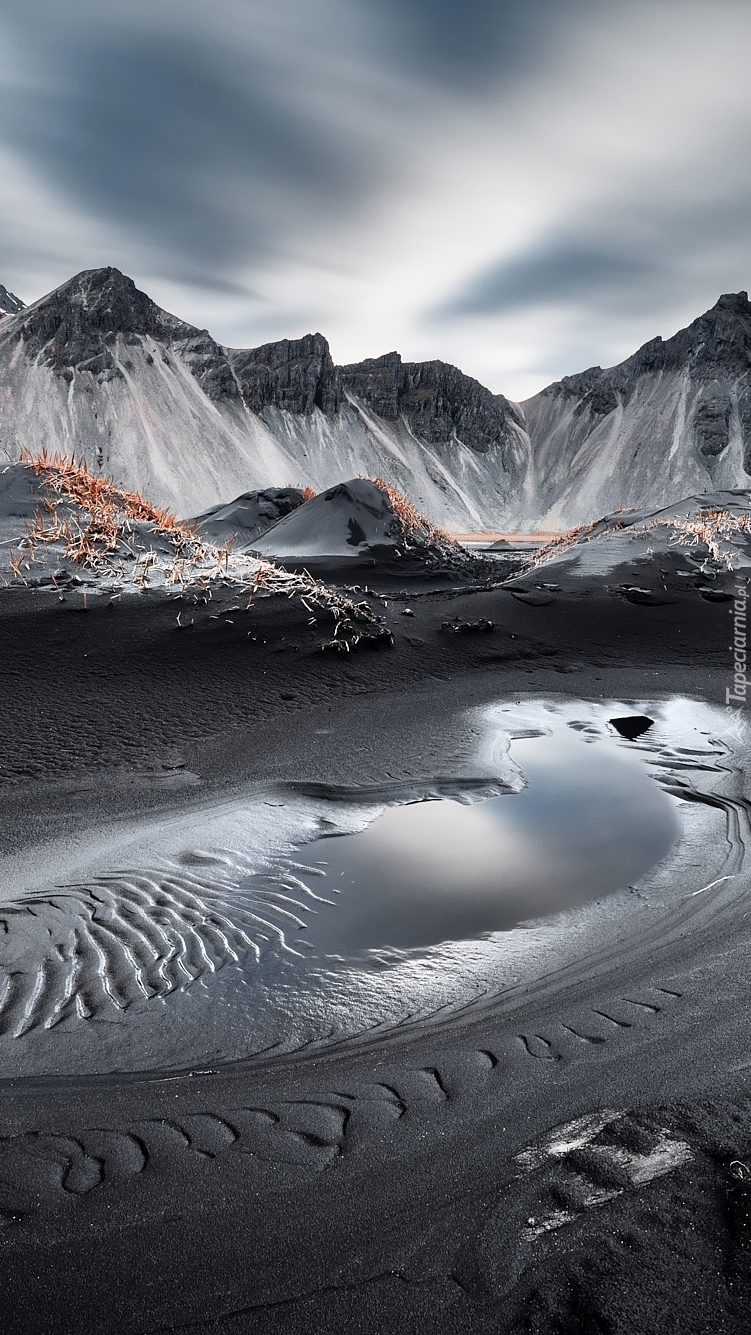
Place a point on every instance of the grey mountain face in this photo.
(296, 375)
(98, 369)
(162, 406)
(438, 401)
(77, 329)
(9, 303)
(672, 420)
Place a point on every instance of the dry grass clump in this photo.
(98, 518)
(117, 536)
(710, 528)
(561, 543)
(415, 525)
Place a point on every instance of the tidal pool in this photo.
(590, 821)
(201, 937)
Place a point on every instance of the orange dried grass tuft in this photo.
(105, 511)
(99, 525)
(563, 541)
(416, 525)
(709, 527)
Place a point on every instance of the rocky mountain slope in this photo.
(672, 420)
(99, 369)
(10, 304)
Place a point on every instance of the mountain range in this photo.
(97, 368)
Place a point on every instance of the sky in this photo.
(523, 188)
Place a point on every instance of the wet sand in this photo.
(564, 1153)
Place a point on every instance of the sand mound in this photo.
(701, 544)
(356, 518)
(62, 525)
(249, 516)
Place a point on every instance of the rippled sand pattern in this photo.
(86, 949)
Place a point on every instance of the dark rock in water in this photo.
(249, 515)
(632, 725)
(438, 401)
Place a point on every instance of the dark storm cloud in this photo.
(562, 270)
(267, 166)
(636, 256)
(184, 123)
(466, 41)
(160, 134)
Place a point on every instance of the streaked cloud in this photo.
(563, 270)
(519, 189)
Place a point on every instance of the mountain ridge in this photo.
(10, 304)
(672, 419)
(164, 407)
(98, 368)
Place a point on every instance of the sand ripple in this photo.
(88, 949)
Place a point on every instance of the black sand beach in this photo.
(569, 1153)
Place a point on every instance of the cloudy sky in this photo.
(521, 187)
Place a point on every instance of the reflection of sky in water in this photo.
(590, 821)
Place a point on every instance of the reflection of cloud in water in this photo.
(590, 821)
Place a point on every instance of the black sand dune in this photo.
(357, 531)
(700, 547)
(569, 1153)
(346, 520)
(249, 516)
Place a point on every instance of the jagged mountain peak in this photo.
(717, 341)
(296, 374)
(737, 302)
(102, 300)
(671, 420)
(10, 304)
(439, 402)
(283, 348)
(81, 326)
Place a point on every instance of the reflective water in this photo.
(590, 821)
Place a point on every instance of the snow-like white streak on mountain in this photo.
(10, 304)
(156, 430)
(671, 421)
(98, 370)
(584, 469)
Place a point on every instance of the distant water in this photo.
(590, 822)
